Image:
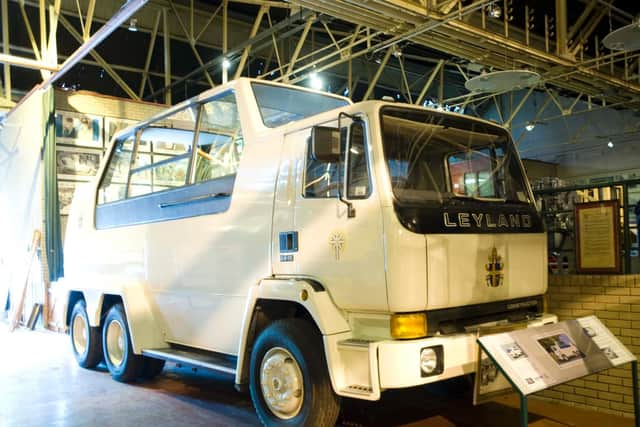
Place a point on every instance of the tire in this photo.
(86, 342)
(288, 356)
(122, 363)
(151, 367)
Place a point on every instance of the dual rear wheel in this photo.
(111, 344)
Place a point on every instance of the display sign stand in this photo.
(550, 355)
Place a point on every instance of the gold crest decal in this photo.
(337, 242)
(495, 269)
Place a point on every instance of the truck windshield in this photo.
(281, 105)
(435, 158)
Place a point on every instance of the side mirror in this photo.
(325, 143)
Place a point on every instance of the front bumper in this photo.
(363, 369)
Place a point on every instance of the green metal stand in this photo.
(524, 409)
(636, 404)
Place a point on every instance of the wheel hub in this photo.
(80, 333)
(282, 383)
(115, 343)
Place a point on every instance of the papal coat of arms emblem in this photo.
(495, 270)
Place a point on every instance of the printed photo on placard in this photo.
(514, 351)
(561, 348)
(77, 163)
(78, 129)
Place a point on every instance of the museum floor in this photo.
(40, 385)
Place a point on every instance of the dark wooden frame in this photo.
(614, 205)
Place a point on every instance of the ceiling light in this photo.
(610, 144)
(315, 81)
(226, 63)
(529, 126)
(494, 11)
(133, 24)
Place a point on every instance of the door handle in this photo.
(195, 199)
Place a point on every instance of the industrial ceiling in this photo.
(414, 50)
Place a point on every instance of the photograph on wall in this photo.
(78, 129)
(77, 163)
(561, 348)
(113, 125)
(66, 190)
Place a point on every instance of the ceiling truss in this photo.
(359, 43)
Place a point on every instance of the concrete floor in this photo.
(41, 385)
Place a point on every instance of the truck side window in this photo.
(113, 184)
(321, 177)
(220, 144)
(358, 185)
(164, 152)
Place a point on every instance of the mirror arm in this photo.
(351, 211)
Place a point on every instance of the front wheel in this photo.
(123, 364)
(288, 381)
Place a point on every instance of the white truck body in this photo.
(197, 281)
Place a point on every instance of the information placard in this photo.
(538, 358)
(597, 231)
(489, 381)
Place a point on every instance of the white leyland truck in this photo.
(311, 247)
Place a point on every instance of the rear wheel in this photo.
(85, 340)
(119, 357)
(288, 381)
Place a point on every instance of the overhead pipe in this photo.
(125, 12)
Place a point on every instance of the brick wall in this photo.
(615, 300)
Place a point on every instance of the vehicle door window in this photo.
(166, 163)
(220, 143)
(114, 182)
(321, 178)
(358, 183)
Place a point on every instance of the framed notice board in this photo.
(597, 237)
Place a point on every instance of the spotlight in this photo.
(494, 11)
(133, 24)
(315, 81)
(610, 144)
(226, 63)
(529, 126)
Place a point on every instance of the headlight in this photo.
(405, 326)
(428, 360)
(432, 360)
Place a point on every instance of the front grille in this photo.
(452, 320)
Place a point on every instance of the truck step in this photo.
(357, 343)
(358, 390)
(195, 358)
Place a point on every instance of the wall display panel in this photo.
(78, 129)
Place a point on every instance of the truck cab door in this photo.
(316, 237)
